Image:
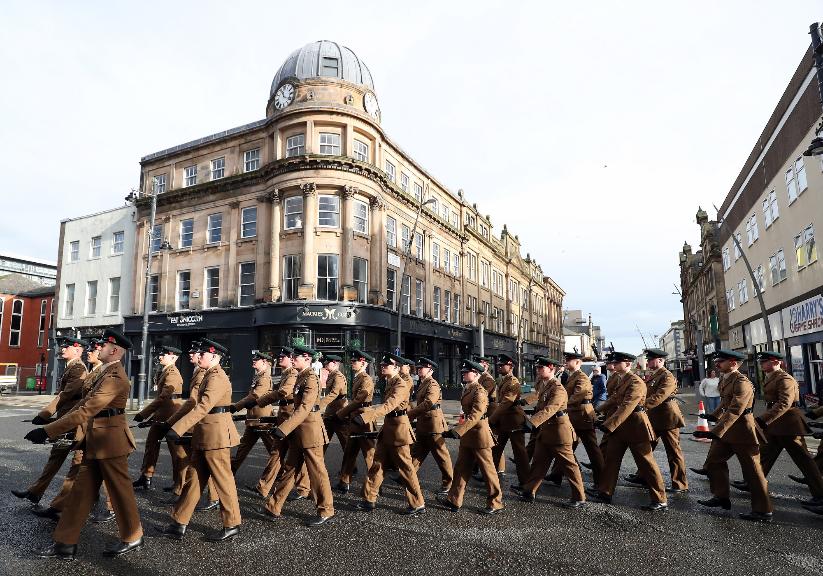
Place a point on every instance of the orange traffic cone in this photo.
(702, 423)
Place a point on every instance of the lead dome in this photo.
(323, 59)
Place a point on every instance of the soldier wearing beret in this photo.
(333, 399)
(261, 363)
(213, 436)
(306, 434)
(508, 418)
(69, 394)
(735, 433)
(629, 428)
(108, 442)
(543, 378)
(476, 442)
(169, 385)
(361, 397)
(665, 417)
(394, 439)
(430, 424)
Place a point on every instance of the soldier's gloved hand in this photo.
(233, 408)
(139, 417)
(528, 426)
(39, 421)
(599, 426)
(705, 434)
(451, 434)
(818, 435)
(172, 436)
(710, 418)
(278, 433)
(37, 436)
(810, 414)
(760, 422)
(522, 402)
(249, 403)
(358, 419)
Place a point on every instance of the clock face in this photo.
(284, 96)
(370, 104)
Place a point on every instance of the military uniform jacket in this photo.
(735, 423)
(283, 395)
(260, 385)
(579, 390)
(490, 386)
(474, 432)
(69, 392)
(106, 437)
(661, 406)
(209, 431)
(334, 398)
(782, 395)
(88, 384)
(361, 398)
(428, 419)
(396, 430)
(508, 416)
(552, 429)
(534, 395)
(304, 426)
(626, 423)
(169, 384)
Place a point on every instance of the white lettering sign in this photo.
(185, 320)
(804, 317)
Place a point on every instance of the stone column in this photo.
(377, 253)
(428, 289)
(309, 256)
(346, 263)
(273, 292)
(230, 260)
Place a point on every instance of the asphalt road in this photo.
(540, 538)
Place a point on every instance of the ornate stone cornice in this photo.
(308, 189)
(376, 204)
(349, 191)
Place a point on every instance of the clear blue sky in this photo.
(593, 131)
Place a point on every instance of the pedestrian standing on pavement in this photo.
(599, 394)
(710, 392)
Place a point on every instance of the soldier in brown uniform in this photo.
(735, 433)
(108, 442)
(213, 436)
(334, 399)
(489, 385)
(476, 442)
(304, 431)
(508, 418)
(430, 424)
(555, 436)
(361, 397)
(666, 419)
(785, 427)
(169, 385)
(69, 393)
(393, 441)
(260, 386)
(629, 427)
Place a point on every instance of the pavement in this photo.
(540, 538)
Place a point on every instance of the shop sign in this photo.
(736, 338)
(328, 340)
(185, 320)
(804, 317)
(323, 314)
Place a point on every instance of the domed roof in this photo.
(323, 59)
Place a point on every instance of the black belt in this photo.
(364, 404)
(435, 406)
(219, 409)
(315, 408)
(794, 404)
(559, 414)
(109, 412)
(484, 416)
(746, 411)
(285, 402)
(585, 401)
(670, 399)
(639, 409)
(396, 414)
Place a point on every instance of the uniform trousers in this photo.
(152, 453)
(400, 456)
(436, 446)
(205, 465)
(339, 427)
(93, 473)
(467, 459)
(274, 465)
(564, 462)
(309, 462)
(646, 467)
(364, 445)
(247, 442)
(799, 453)
(674, 454)
(188, 474)
(521, 457)
(593, 450)
(59, 501)
(56, 458)
(749, 457)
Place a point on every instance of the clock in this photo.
(284, 96)
(370, 104)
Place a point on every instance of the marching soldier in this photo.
(69, 394)
(735, 433)
(555, 437)
(544, 378)
(213, 436)
(306, 434)
(361, 397)
(334, 399)
(489, 385)
(169, 385)
(393, 441)
(508, 418)
(629, 427)
(666, 419)
(476, 442)
(430, 424)
(260, 385)
(108, 442)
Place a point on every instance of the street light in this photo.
(482, 314)
(406, 253)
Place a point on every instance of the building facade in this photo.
(293, 228)
(40, 271)
(672, 342)
(95, 271)
(774, 209)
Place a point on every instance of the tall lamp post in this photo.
(406, 253)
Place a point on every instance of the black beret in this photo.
(114, 337)
(504, 359)
(357, 354)
(424, 362)
(655, 353)
(486, 359)
(471, 366)
(724, 354)
(331, 358)
(572, 355)
(285, 351)
(407, 362)
(545, 361)
(195, 347)
(623, 357)
(259, 355)
(68, 342)
(300, 350)
(94, 344)
(170, 350)
(391, 359)
(212, 347)
(767, 355)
